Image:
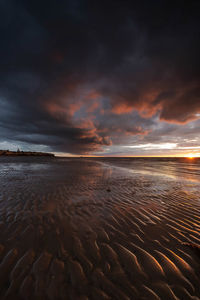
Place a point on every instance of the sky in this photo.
(105, 78)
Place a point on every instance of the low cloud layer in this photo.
(85, 76)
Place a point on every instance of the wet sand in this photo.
(99, 229)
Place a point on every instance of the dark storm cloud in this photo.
(76, 74)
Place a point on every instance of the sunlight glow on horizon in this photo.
(192, 155)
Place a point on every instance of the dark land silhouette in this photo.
(24, 153)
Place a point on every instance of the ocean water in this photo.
(176, 168)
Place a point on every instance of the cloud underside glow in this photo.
(164, 146)
(100, 77)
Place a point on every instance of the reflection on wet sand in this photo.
(83, 229)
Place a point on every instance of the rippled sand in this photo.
(86, 229)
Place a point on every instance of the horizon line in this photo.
(127, 156)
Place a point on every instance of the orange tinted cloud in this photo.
(93, 106)
(121, 108)
(55, 108)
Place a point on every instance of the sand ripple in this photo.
(86, 230)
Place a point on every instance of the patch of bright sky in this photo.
(154, 146)
(5, 145)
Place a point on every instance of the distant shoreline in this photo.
(24, 153)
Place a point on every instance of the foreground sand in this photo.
(80, 229)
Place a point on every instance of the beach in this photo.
(99, 228)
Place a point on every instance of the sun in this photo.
(192, 155)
